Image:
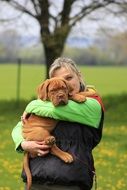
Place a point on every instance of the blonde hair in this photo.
(68, 63)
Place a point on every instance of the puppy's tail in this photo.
(27, 170)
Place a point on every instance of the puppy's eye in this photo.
(63, 88)
(52, 90)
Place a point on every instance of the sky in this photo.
(25, 25)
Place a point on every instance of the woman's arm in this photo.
(30, 146)
(88, 113)
(17, 136)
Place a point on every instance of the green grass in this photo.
(10, 161)
(31, 76)
(107, 80)
(111, 158)
(110, 155)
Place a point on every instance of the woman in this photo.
(78, 134)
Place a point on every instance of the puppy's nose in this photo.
(62, 103)
(61, 95)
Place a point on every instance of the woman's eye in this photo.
(69, 78)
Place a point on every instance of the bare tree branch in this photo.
(43, 18)
(21, 8)
(86, 10)
(66, 11)
(36, 6)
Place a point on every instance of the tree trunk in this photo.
(50, 55)
(53, 45)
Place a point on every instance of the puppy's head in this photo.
(57, 90)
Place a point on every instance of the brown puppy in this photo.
(36, 128)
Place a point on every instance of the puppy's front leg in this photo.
(65, 156)
(78, 97)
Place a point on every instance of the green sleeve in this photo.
(17, 136)
(88, 112)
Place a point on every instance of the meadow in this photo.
(110, 155)
(107, 80)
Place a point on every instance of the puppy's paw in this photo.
(50, 140)
(79, 98)
(67, 158)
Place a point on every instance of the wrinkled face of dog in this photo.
(57, 90)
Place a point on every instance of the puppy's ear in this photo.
(42, 90)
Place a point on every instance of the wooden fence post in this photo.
(18, 81)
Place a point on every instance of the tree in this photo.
(57, 18)
(117, 45)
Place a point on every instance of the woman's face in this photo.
(70, 76)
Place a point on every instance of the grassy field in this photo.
(110, 155)
(107, 80)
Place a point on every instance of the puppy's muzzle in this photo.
(62, 99)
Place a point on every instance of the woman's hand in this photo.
(35, 147)
(23, 117)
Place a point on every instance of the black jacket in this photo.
(77, 139)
